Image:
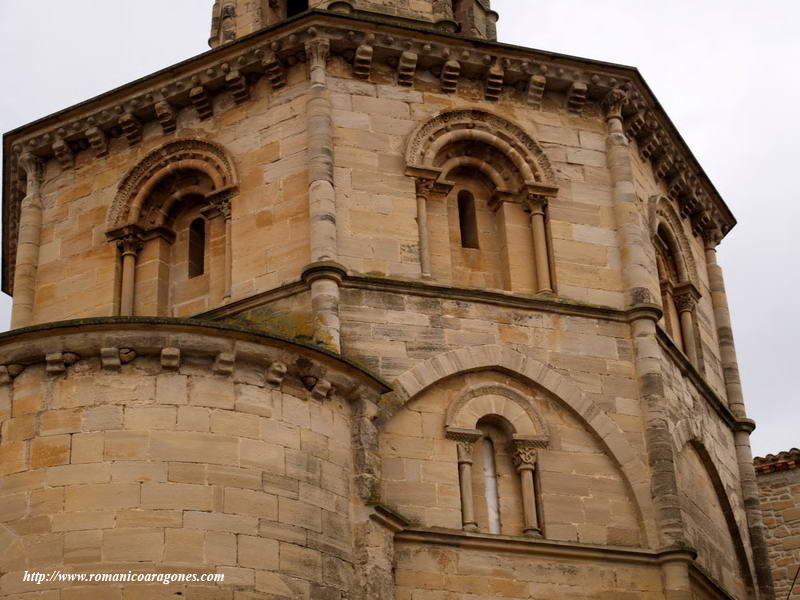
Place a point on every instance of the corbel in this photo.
(362, 61)
(63, 153)
(665, 165)
(5, 377)
(651, 146)
(321, 389)
(407, 68)
(166, 116)
(237, 84)
(637, 125)
(274, 70)
(677, 186)
(170, 358)
(109, 359)
(201, 101)
(126, 355)
(308, 372)
(576, 96)
(495, 77)
(536, 87)
(224, 363)
(57, 362)
(275, 373)
(451, 71)
(131, 127)
(97, 139)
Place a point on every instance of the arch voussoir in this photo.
(465, 360)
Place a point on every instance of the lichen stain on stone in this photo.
(291, 324)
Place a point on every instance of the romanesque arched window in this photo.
(483, 187)
(497, 435)
(171, 221)
(679, 295)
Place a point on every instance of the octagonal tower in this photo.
(364, 304)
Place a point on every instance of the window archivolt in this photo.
(508, 175)
(498, 434)
(166, 212)
(677, 278)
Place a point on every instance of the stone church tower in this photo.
(363, 304)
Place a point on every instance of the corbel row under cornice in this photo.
(513, 73)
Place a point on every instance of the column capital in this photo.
(465, 439)
(535, 203)
(613, 102)
(526, 451)
(129, 240)
(685, 296)
(712, 236)
(34, 171)
(424, 186)
(318, 50)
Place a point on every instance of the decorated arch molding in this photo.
(496, 400)
(663, 214)
(426, 150)
(495, 357)
(211, 160)
(690, 432)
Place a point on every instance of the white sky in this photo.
(725, 71)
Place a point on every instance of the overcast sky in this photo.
(725, 71)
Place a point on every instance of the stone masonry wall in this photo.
(184, 469)
(780, 502)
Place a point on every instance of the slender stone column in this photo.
(745, 426)
(223, 206)
(686, 302)
(634, 239)
(465, 444)
(525, 461)
(424, 188)
(129, 246)
(537, 205)
(465, 449)
(322, 199)
(28, 241)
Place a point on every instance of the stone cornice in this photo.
(513, 72)
(431, 290)
(60, 343)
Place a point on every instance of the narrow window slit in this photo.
(467, 220)
(197, 248)
(490, 488)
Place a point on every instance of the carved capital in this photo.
(465, 439)
(129, 243)
(536, 204)
(525, 450)
(613, 102)
(712, 236)
(464, 450)
(34, 171)
(685, 296)
(221, 202)
(525, 457)
(317, 52)
(425, 187)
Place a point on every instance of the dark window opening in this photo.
(197, 248)
(467, 220)
(295, 7)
